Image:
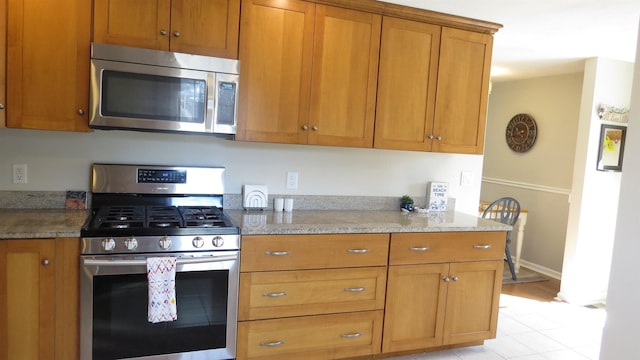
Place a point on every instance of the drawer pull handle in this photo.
(421, 248)
(486, 246)
(351, 336)
(358, 251)
(277, 253)
(272, 343)
(355, 289)
(278, 294)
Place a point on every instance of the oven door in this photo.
(114, 293)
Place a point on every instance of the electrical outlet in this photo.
(466, 178)
(19, 173)
(292, 180)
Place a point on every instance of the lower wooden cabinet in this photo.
(441, 304)
(333, 296)
(318, 337)
(433, 302)
(39, 299)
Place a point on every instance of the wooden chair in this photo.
(505, 210)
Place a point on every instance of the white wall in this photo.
(622, 327)
(59, 161)
(594, 195)
(540, 178)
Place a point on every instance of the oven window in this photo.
(154, 97)
(121, 329)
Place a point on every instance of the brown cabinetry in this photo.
(443, 289)
(462, 91)
(204, 27)
(308, 73)
(293, 285)
(407, 79)
(39, 299)
(314, 80)
(48, 54)
(432, 88)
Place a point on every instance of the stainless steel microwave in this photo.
(152, 90)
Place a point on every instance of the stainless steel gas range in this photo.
(148, 212)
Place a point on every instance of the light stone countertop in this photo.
(336, 221)
(52, 223)
(41, 223)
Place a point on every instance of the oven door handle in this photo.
(179, 261)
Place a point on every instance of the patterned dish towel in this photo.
(161, 274)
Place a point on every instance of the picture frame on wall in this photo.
(611, 149)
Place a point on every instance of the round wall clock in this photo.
(521, 132)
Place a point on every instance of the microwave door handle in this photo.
(179, 261)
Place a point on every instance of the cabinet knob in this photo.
(454, 278)
(438, 137)
(163, 32)
(314, 128)
(446, 279)
(305, 127)
(1, 106)
(80, 112)
(176, 33)
(46, 262)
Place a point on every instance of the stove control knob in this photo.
(218, 241)
(165, 243)
(197, 242)
(108, 244)
(131, 243)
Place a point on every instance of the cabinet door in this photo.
(137, 23)
(472, 301)
(48, 54)
(345, 68)
(276, 45)
(415, 307)
(27, 296)
(3, 66)
(463, 88)
(206, 27)
(406, 84)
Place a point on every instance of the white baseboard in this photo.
(541, 269)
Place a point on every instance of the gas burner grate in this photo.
(202, 216)
(120, 217)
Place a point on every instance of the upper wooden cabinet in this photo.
(204, 27)
(48, 53)
(308, 73)
(407, 84)
(276, 49)
(462, 92)
(432, 88)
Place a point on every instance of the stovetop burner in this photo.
(145, 218)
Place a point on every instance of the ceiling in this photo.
(549, 37)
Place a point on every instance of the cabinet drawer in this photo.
(417, 248)
(296, 252)
(266, 295)
(311, 337)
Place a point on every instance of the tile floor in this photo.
(533, 330)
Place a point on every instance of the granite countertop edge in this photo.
(55, 223)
